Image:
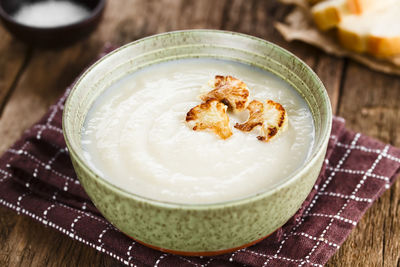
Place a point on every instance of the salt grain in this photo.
(50, 13)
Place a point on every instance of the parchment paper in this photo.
(299, 25)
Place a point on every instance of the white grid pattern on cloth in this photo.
(358, 186)
(249, 251)
(18, 152)
(77, 218)
(189, 261)
(26, 153)
(160, 259)
(61, 150)
(391, 157)
(64, 231)
(54, 109)
(207, 263)
(43, 127)
(279, 257)
(46, 211)
(87, 214)
(100, 238)
(332, 194)
(366, 149)
(337, 217)
(47, 166)
(19, 199)
(359, 172)
(6, 175)
(312, 203)
(129, 251)
(54, 197)
(234, 253)
(44, 220)
(315, 238)
(362, 148)
(35, 171)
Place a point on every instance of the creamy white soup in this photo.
(135, 135)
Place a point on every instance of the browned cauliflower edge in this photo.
(271, 116)
(210, 115)
(229, 90)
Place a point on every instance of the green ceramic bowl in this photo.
(205, 229)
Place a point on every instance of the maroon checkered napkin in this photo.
(37, 180)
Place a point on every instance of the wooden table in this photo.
(31, 79)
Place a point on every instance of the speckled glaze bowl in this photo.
(206, 229)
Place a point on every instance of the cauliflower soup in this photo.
(136, 135)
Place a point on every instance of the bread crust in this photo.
(373, 32)
(351, 40)
(326, 19)
(328, 14)
(383, 46)
(358, 6)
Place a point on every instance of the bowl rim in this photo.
(92, 15)
(297, 174)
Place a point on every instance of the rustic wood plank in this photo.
(8, 219)
(13, 55)
(331, 70)
(369, 102)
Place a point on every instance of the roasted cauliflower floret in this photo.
(230, 91)
(271, 116)
(210, 115)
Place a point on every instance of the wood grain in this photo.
(13, 56)
(368, 100)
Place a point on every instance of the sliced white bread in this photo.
(353, 31)
(360, 6)
(376, 32)
(328, 14)
(384, 38)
